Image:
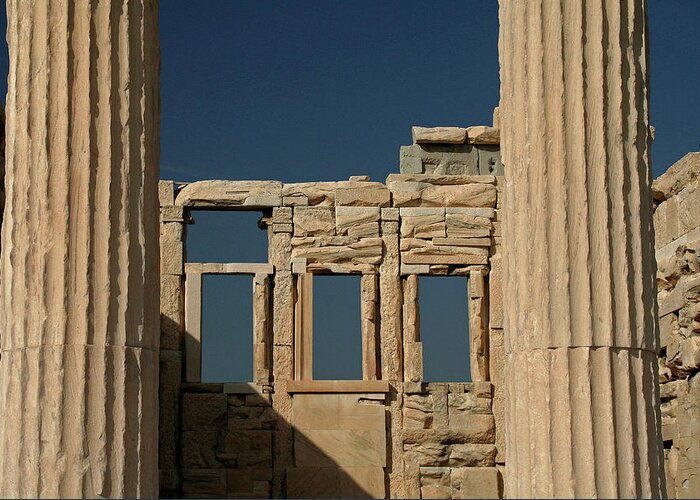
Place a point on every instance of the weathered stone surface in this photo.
(363, 194)
(679, 175)
(422, 194)
(80, 325)
(452, 159)
(366, 250)
(341, 482)
(314, 221)
(566, 331)
(348, 217)
(483, 134)
(476, 482)
(202, 412)
(249, 194)
(490, 160)
(438, 135)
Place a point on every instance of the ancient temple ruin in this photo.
(547, 214)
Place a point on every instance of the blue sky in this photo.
(324, 89)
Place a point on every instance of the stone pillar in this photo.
(79, 264)
(581, 330)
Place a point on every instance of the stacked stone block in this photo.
(677, 224)
(259, 438)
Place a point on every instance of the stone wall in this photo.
(390, 434)
(677, 224)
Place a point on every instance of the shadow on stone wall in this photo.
(218, 445)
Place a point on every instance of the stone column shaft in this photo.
(582, 412)
(79, 263)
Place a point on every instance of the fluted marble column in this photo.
(582, 415)
(79, 263)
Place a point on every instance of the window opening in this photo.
(227, 328)
(226, 236)
(337, 331)
(444, 328)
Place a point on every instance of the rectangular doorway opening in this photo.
(444, 328)
(227, 328)
(337, 330)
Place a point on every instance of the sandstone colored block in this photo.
(204, 483)
(463, 242)
(349, 217)
(483, 134)
(417, 258)
(166, 193)
(440, 179)
(332, 448)
(476, 482)
(679, 175)
(390, 214)
(314, 221)
(365, 194)
(438, 135)
(415, 269)
(340, 482)
(369, 230)
(490, 160)
(366, 250)
(295, 201)
(318, 193)
(417, 194)
(203, 411)
(472, 455)
(249, 194)
(439, 159)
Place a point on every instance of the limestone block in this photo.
(314, 221)
(466, 404)
(172, 258)
(496, 375)
(679, 175)
(389, 228)
(318, 193)
(689, 208)
(369, 230)
(172, 214)
(366, 250)
(335, 482)
(422, 194)
(483, 134)
(423, 226)
(202, 412)
(282, 214)
(166, 193)
(415, 269)
(409, 164)
(171, 231)
(666, 222)
(440, 179)
(482, 433)
(435, 482)
(490, 160)
(438, 135)
(472, 455)
(348, 217)
(415, 257)
(390, 309)
(451, 159)
(481, 423)
(363, 194)
(295, 201)
(171, 312)
(495, 284)
(429, 454)
(463, 242)
(476, 482)
(390, 214)
(215, 193)
(199, 450)
(413, 361)
(204, 483)
(345, 448)
(439, 392)
(282, 227)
